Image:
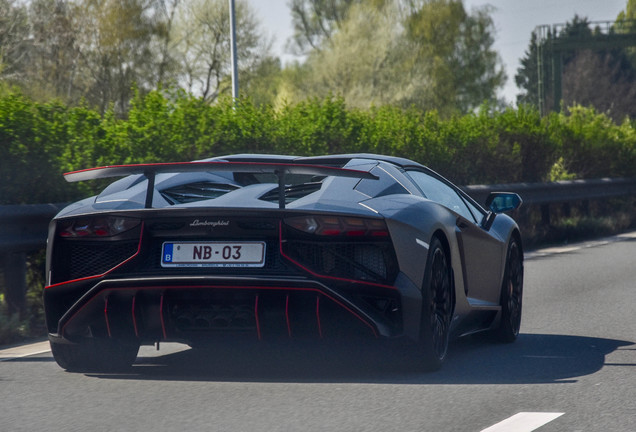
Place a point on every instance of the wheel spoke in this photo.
(440, 305)
(515, 285)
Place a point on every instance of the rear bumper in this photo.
(191, 308)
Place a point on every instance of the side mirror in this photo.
(500, 202)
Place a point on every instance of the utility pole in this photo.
(235, 83)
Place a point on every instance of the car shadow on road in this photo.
(533, 358)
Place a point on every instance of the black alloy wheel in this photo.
(511, 294)
(437, 307)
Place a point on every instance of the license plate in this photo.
(213, 254)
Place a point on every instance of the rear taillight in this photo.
(98, 226)
(347, 249)
(338, 226)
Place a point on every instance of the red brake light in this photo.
(358, 233)
(380, 233)
(339, 226)
(96, 226)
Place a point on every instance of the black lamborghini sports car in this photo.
(265, 247)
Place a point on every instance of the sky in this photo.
(514, 22)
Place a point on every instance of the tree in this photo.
(429, 53)
(457, 49)
(202, 32)
(360, 62)
(600, 80)
(54, 58)
(99, 53)
(262, 82)
(527, 77)
(115, 39)
(167, 67)
(90, 50)
(14, 40)
(315, 21)
(626, 23)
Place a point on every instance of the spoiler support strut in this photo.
(150, 175)
(281, 188)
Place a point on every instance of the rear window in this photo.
(385, 185)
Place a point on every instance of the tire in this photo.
(511, 294)
(95, 355)
(437, 307)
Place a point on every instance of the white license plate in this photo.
(213, 254)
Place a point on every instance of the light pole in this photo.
(235, 84)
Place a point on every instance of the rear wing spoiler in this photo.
(151, 170)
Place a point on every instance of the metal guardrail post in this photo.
(23, 229)
(14, 269)
(545, 214)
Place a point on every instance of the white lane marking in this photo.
(524, 422)
(627, 236)
(579, 246)
(422, 243)
(560, 250)
(24, 351)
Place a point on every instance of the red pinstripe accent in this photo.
(163, 324)
(318, 316)
(106, 316)
(141, 235)
(280, 246)
(75, 280)
(134, 318)
(140, 168)
(289, 332)
(258, 325)
(262, 288)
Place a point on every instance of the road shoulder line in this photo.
(20, 351)
(538, 253)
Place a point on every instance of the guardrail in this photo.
(562, 192)
(24, 228)
(559, 192)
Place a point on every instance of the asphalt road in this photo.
(575, 360)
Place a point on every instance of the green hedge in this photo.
(40, 141)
